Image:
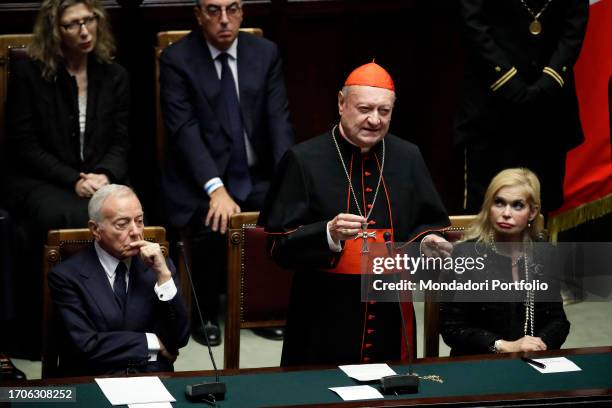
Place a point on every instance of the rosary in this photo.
(528, 327)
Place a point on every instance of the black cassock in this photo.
(327, 322)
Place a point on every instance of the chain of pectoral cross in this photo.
(364, 234)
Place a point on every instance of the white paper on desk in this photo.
(151, 405)
(367, 372)
(556, 365)
(134, 390)
(357, 392)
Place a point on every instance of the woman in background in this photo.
(67, 115)
(67, 129)
(503, 235)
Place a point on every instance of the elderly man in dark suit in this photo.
(118, 299)
(225, 109)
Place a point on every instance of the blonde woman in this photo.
(503, 236)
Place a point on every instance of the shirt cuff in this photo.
(334, 247)
(212, 184)
(153, 346)
(166, 291)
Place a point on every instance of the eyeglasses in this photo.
(233, 10)
(75, 27)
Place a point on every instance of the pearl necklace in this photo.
(528, 327)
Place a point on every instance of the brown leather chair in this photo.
(12, 47)
(61, 244)
(257, 289)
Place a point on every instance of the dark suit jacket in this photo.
(100, 338)
(497, 39)
(199, 141)
(43, 125)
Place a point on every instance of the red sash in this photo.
(350, 262)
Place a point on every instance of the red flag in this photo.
(588, 178)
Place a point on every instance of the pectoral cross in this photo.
(364, 234)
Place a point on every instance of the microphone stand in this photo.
(400, 383)
(209, 392)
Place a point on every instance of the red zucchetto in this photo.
(371, 74)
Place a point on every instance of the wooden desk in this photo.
(489, 380)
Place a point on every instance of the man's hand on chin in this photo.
(152, 255)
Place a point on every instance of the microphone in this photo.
(400, 383)
(209, 392)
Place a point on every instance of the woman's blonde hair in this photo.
(482, 229)
(46, 44)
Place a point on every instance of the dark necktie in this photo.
(119, 287)
(238, 177)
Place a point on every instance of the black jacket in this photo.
(43, 126)
(473, 327)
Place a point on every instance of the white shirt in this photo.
(164, 292)
(82, 121)
(333, 245)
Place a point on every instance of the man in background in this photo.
(519, 105)
(226, 113)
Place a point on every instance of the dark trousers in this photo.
(209, 255)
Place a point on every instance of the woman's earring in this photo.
(529, 223)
